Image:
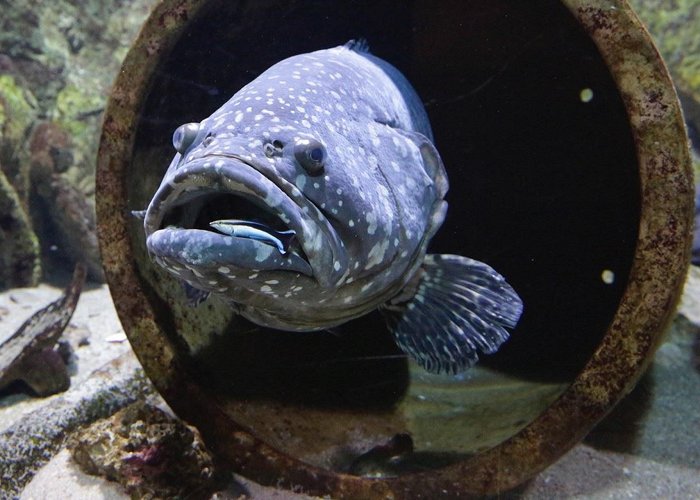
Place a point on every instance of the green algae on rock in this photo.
(57, 62)
(18, 112)
(20, 260)
(675, 25)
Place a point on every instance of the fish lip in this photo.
(246, 177)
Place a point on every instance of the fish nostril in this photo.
(269, 150)
(273, 148)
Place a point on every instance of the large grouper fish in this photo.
(310, 198)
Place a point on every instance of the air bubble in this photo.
(607, 276)
(586, 95)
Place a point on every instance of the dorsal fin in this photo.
(360, 45)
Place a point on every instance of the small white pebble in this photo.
(116, 338)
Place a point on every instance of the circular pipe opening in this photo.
(550, 183)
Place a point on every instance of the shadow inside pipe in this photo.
(356, 365)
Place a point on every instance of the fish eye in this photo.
(184, 136)
(311, 155)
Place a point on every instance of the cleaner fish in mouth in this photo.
(309, 199)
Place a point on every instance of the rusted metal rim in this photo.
(659, 267)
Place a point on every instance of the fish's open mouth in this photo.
(223, 212)
(207, 209)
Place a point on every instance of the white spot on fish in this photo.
(376, 254)
(371, 219)
(263, 252)
(224, 270)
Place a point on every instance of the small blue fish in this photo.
(310, 198)
(255, 231)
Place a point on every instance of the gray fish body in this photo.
(333, 146)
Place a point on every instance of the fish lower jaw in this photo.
(206, 253)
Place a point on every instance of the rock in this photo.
(63, 210)
(695, 257)
(57, 63)
(31, 441)
(64, 475)
(150, 453)
(383, 460)
(20, 259)
(18, 111)
(74, 216)
(690, 300)
(674, 25)
(29, 354)
(50, 151)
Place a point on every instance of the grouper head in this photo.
(297, 201)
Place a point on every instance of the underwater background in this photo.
(57, 62)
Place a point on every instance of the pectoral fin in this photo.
(195, 296)
(460, 307)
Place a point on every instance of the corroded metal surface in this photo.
(167, 21)
(660, 262)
